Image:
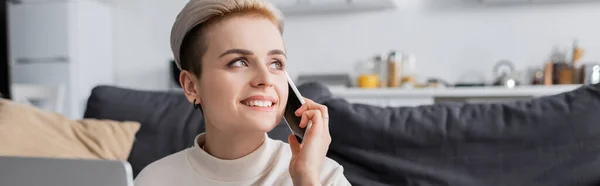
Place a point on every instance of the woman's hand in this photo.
(308, 157)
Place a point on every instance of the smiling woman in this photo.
(232, 60)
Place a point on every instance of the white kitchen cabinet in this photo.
(31, 1)
(66, 43)
(54, 1)
(38, 31)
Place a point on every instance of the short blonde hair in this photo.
(187, 35)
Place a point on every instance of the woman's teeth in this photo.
(257, 103)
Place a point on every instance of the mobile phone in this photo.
(294, 102)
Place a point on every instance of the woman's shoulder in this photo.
(163, 169)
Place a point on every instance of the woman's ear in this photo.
(190, 85)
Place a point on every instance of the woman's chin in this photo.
(263, 125)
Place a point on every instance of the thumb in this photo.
(294, 144)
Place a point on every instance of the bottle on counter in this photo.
(381, 68)
(393, 69)
(577, 55)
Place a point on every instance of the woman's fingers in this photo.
(316, 129)
(318, 115)
(311, 105)
(310, 115)
(303, 107)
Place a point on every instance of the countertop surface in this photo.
(488, 91)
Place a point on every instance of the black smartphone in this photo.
(294, 102)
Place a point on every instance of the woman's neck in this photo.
(229, 146)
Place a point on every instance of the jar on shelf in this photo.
(409, 73)
(369, 73)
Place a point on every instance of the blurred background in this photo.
(414, 52)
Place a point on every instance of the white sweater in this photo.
(267, 165)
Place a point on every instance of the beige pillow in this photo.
(32, 132)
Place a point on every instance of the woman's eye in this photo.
(276, 65)
(237, 63)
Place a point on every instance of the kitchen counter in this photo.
(424, 96)
(456, 92)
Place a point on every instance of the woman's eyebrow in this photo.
(248, 52)
(277, 52)
(237, 51)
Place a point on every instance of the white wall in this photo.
(451, 40)
(142, 49)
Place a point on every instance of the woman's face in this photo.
(243, 85)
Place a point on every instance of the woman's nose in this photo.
(262, 78)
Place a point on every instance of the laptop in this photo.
(26, 171)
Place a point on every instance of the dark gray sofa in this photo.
(553, 140)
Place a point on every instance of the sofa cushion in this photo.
(169, 122)
(551, 140)
(31, 132)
